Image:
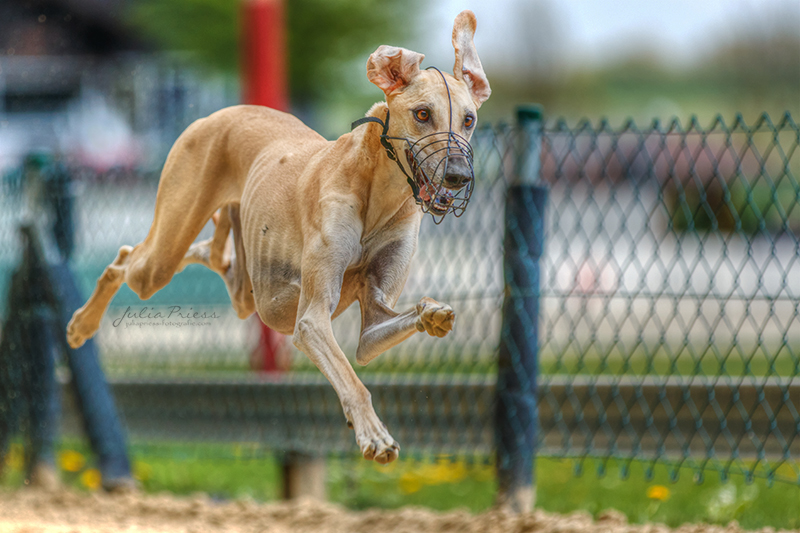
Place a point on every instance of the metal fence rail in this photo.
(631, 417)
(669, 310)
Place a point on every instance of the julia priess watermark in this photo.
(173, 316)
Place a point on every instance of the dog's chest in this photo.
(384, 253)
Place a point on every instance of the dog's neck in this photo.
(388, 195)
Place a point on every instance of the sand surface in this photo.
(37, 511)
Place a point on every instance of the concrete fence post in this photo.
(516, 417)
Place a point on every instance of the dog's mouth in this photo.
(443, 202)
(437, 199)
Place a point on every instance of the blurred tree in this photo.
(749, 74)
(322, 35)
(208, 28)
(758, 66)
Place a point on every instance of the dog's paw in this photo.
(77, 333)
(377, 445)
(381, 451)
(434, 318)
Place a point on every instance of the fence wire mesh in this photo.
(670, 295)
(669, 321)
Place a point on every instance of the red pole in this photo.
(264, 63)
(264, 83)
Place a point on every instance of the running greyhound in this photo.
(317, 225)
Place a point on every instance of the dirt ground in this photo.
(36, 511)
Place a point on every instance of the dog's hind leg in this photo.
(145, 268)
(214, 253)
(225, 255)
(86, 320)
(196, 180)
(240, 287)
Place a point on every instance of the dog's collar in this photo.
(390, 152)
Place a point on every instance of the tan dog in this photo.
(316, 225)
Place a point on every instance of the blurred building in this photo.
(76, 80)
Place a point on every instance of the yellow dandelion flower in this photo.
(658, 492)
(429, 474)
(443, 472)
(91, 479)
(142, 471)
(433, 474)
(71, 461)
(410, 483)
(456, 472)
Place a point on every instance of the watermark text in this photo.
(172, 316)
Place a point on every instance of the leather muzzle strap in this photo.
(390, 152)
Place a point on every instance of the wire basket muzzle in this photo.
(446, 188)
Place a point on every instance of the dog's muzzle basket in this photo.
(430, 187)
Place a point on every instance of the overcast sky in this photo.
(587, 32)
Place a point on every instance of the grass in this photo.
(447, 485)
(246, 471)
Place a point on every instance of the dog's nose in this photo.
(457, 179)
(458, 172)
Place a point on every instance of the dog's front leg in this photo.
(313, 335)
(382, 328)
(323, 270)
(385, 276)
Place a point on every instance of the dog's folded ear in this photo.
(392, 68)
(468, 65)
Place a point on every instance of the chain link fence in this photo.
(670, 298)
(669, 318)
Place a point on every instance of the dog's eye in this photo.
(469, 121)
(422, 115)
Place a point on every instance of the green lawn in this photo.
(246, 471)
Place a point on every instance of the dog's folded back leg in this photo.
(193, 186)
(240, 287)
(225, 255)
(213, 253)
(219, 256)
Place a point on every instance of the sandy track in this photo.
(34, 511)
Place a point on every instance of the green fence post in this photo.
(516, 417)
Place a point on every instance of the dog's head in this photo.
(435, 114)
